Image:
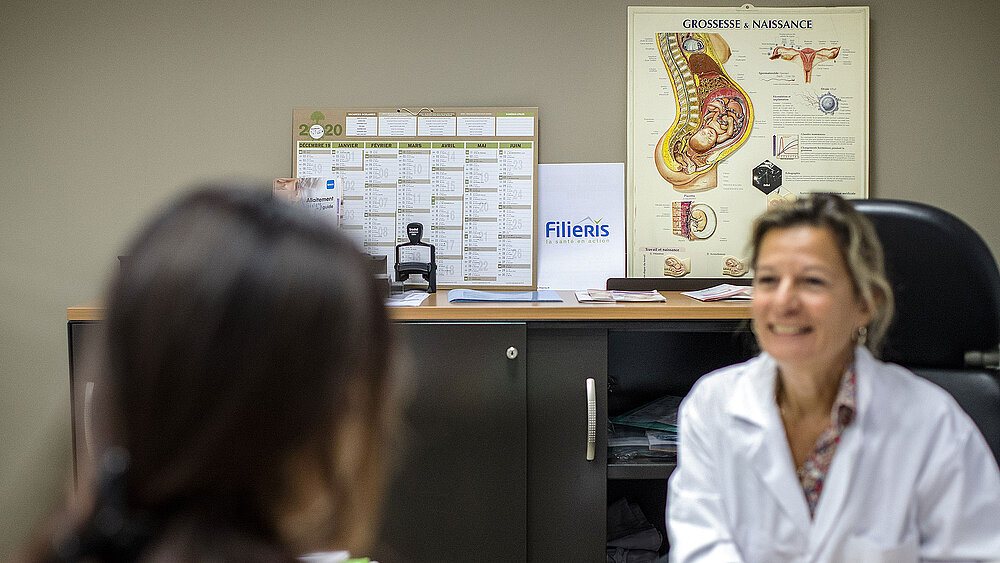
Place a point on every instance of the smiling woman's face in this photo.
(805, 310)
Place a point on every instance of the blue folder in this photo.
(471, 295)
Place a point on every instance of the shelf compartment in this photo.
(638, 470)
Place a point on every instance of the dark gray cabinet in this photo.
(459, 487)
(491, 461)
(647, 360)
(566, 492)
(495, 466)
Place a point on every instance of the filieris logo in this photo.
(584, 228)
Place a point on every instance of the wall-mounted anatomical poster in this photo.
(731, 110)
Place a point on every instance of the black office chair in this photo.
(947, 292)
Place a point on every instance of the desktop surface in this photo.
(437, 307)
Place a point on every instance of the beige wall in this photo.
(109, 108)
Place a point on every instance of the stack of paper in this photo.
(648, 432)
(412, 298)
(604, 296)
(722, 291)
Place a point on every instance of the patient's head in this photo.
(247, 354)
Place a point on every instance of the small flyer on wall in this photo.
(322, 195)
(731, 110)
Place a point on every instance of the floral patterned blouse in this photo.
(812, 473)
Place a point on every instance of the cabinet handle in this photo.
(591, 418)
(88, 430)
(511, 353)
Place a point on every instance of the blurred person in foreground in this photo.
(815, 450)
(247, 391)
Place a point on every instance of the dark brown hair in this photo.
(247, 352)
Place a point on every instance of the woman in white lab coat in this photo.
(815, 450)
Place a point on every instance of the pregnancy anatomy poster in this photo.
(731, 110)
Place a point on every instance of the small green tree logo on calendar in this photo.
(316, 131)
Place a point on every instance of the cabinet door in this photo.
(458, 493)
(566, 492)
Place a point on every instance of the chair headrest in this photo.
(945, 280)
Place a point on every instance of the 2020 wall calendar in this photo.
(469, 175)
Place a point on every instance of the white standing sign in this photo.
(581, 225)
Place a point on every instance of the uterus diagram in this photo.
(808, 57)
(714, 114)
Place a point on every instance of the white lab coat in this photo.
(912, 478)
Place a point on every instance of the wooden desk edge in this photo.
(87, 312)
(437, 308)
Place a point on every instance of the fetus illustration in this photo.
(809, 57)
(733, 266)
(714, 114)
(676, 267)
(699, 220)
(693, 221)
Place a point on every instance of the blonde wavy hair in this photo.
(858, 244)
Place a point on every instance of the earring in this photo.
(861, 335)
